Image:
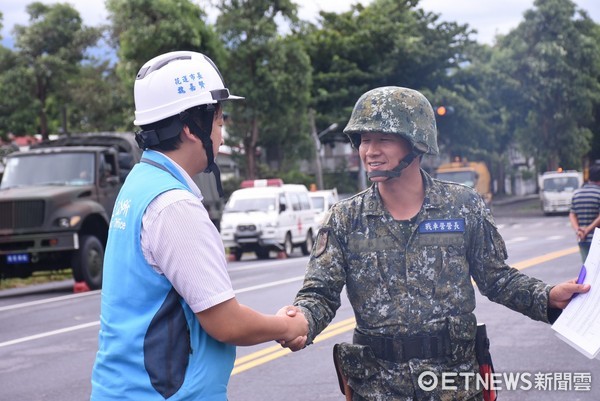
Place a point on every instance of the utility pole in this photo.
(316, 137)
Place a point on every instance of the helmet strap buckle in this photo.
(147, 139)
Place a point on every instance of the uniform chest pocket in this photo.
(370, 276)
(438, 265)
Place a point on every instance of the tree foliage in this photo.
(18, 107)
(51, 48)
(143, 29)
(552, 59)
(389, 42)
(273, 73)
(538, 86)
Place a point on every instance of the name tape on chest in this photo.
(442, 226)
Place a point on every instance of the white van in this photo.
(556, 190)
(268, 215)
(322, 201)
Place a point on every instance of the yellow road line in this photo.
(276, 351)
(545, 258)
(270, 353)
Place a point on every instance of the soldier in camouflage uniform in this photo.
(406, 250)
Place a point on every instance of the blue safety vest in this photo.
(151, 345)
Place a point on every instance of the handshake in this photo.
(297, 328)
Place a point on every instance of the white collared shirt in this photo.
(179, 240)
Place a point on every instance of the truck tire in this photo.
(288, 246)
(237, 253)
(262, 253)
(307, 245)
(87, 262)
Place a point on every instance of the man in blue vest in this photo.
(169, 317)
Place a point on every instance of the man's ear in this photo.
(188, 134)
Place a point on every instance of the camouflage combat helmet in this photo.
(395, 110)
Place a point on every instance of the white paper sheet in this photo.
(579, 323)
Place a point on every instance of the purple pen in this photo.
(580, 278)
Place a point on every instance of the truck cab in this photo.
(556, 190)
(472, 174)
(56, 200)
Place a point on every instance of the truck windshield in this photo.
(251, 205)
(560, 184)
(49, 169)
(468, 178)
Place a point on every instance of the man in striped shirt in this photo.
(585, 210)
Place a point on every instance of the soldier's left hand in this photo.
(561, 294)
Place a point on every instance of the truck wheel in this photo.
(237, 253)
(288, 246)
(262, 253)
(87, 262)
(307, 245)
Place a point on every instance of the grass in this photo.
(37, 278)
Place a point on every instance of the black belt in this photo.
(402, 349)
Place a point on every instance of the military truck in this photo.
(56, 200)
(55, 204)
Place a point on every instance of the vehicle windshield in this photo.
(560, 184)
(250, 205)
(49, 169)
(318, 202)
(462, 177)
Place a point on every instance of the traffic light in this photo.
(442, 111)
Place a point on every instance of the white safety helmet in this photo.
(176, 81)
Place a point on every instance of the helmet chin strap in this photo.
(204, 135)
(396, 171)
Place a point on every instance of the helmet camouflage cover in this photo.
(395, 110)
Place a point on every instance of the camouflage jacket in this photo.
(417, 281)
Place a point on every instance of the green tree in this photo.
(101, 100)
(273, 73)
(143, 29)
(388, 42)
(52, 47)
(18, 106)
(552, 59)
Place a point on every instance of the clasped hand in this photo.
(299, 328)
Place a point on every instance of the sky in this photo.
(487, 17)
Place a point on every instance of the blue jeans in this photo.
(584, 249)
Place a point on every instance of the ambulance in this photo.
(268, 215)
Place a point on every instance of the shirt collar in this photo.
(188, 180)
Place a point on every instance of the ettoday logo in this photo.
(549, 381)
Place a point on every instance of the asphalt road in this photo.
(48, 336)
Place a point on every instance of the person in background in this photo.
(169, 318)
(585, 210)
(406, 249)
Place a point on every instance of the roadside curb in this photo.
(36, 288)
(514, 199)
